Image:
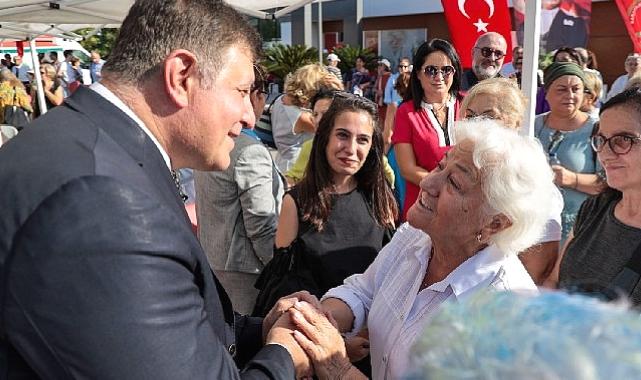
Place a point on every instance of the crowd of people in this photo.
(59, 79)
(397, 216)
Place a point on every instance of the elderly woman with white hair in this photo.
(484, 203)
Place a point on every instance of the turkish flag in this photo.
(631, 13)
(468, 19)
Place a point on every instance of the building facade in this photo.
(393, 28)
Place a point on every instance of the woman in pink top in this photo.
(425, 121)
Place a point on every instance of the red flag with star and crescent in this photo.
(468, 19)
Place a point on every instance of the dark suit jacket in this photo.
(102, 277)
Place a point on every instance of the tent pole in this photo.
(307, 31)
(36, 72)
(320, 31)
(531, 39)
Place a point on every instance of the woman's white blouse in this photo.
(387, 296)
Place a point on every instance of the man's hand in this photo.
(282, 333)
(283, 305)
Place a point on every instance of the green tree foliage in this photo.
(102, 42)
(281, 60)
(348, 54)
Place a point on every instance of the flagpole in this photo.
(531, 39)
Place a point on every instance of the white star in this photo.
(481, 26)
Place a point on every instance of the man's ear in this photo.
(180, 73)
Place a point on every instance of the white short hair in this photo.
(516, 180)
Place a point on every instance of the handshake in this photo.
(299, 323)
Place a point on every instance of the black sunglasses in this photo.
(619, 144)
(433, 71)
(487, 52)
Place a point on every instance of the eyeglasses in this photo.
(433, 71)
(403, 66)
(487, 52)
(619, 144)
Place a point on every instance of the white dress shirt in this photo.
(113, 99)
(387, 294)
(618, 86)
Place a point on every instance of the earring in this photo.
(479, 237)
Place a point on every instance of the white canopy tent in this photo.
(103, 12)
(27, 19)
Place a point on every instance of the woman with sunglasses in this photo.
(565, 133)
(608, 227)
(425, 120)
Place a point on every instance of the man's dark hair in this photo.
(415, 92)
(153, 28)
(67, 53)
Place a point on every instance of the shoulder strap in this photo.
(269, 109)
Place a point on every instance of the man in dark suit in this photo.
(102, 276)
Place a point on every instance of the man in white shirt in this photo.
(632, 67)
(332, 66)
(20, 70)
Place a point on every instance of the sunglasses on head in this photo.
(487, 52)
(433, 71)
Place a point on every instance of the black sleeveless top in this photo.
(348, 244)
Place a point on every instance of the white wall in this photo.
(286, 32)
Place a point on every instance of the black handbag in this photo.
(15, 115)
(283, 275)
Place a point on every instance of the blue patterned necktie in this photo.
(176, 178)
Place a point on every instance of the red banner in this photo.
(20, 47)
(468, 19)
(631, 14)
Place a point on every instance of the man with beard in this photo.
(487, 58)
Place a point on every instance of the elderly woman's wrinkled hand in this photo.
(322, 342)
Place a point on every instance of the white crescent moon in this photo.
(490, 3)
(461, 7)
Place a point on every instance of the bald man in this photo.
(488, 54)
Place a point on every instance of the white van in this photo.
(51, 44)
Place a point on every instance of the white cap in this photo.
(385, 62)
(333, 57)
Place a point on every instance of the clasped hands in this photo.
(299, 323)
